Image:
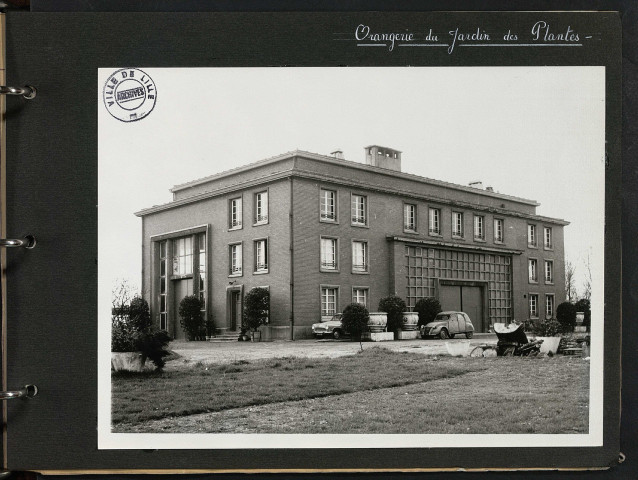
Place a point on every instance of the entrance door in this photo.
(181, 288)
(468, 299)
(235, 310)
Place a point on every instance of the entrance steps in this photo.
(225, 337)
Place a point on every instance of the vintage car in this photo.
(448, 324)
(330, 328)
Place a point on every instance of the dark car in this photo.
(448, 324)
(331, 328)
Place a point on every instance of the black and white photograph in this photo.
(360, 257)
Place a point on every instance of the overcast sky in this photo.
(534, 132)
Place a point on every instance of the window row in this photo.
(330, 255)
(533, 270)
(236, 257)
(330, 298)
(532, 237)
(549, 305)
(260, 209)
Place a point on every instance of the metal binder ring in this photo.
(27, 91)
(29, 391)
(27, 242)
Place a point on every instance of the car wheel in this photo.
(469, 334)
(336, 334)
(444, 334)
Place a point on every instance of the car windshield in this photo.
(442, 317)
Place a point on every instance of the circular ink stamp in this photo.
(129, 94)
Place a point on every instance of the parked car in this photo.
(332, 328)
(448, 324)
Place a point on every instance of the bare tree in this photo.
(121, 295)
(570, 281)
(587, 281)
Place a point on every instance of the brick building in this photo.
(321, 232)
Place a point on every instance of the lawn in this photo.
(376, 391)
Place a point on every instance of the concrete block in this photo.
(377, 337)
(407, 335)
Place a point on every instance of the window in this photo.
(183, 256)
(533, 305)
(533, 270)
(409, 217)
(479, 227)
(531, 235)
(261, 208)
(329, 298)
(360, 295)
(549, 271)
(201, 241)
(328, 205)
(359, 256)
(434, 215)
(457, 224)
(549, 306)
(162, 292)
(547, 236)
(498, 230)
(328, 253)
(261, 256)
(235, 213)
(236, 260)
(359, 207)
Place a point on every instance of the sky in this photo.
(532, 132)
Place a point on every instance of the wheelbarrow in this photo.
(513, 341)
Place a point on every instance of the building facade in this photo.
(321, 232)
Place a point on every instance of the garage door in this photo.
(464, 299)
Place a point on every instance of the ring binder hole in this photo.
(30, 93)
(31, 241)
(31, 390)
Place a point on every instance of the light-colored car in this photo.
(448, 324)
(332, 328)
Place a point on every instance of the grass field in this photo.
(376, 391)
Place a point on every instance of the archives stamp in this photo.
(129, 94)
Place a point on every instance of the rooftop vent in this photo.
(477, 184)
(383, 157)
(338, 154)
(489, 189)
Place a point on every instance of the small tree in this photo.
(139, 313)
(547, 327)
(584, 305)
(394, 306)
(355, 320)
(570, 281)
(427, 309)
(566, 315)
(256, 308)
(191, 320)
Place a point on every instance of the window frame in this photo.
(454, 224)
(365, 210)
(436, 211)
(549, 296)
(531, 279)
(256, 217)
(240, 223)
(366, 257)
(550, 263)
(337, 290)
(322, 267)
(256, 270)
(367, 295)
(532, 231)
(180, 274)
(415, 214)
(547, 246)
(335, 206)
(529, 305)
(240, 272)
(502, 224)
(481, 219)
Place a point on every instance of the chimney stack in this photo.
(338, 154)
(477, 184)
(383, 157)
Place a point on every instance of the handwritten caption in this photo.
(540, 34)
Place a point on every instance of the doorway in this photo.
(234, 308)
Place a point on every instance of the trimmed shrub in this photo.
(123, 337)
(427, 309)
(152, 343)
(394, 306)
(548, 327)
(139, 314)
(584, 305)
(566, 315)
(210, 328)
(190, 313)
(256, 308)
(355, 319)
